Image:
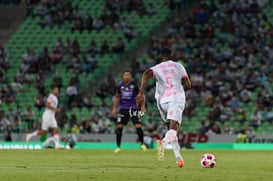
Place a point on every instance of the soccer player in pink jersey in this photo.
(171, 80)
(48, 119)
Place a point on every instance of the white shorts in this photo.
(171, 111)
(48, 120)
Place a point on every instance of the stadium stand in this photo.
(38, 52)
(226, 48)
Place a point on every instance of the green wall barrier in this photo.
(235, 146)
(80, 145)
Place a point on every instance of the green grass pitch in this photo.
(132, 165)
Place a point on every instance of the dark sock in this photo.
(140, 134)
(118, 136)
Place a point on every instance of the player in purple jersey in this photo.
(125, 97)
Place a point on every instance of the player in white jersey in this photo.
(48, 119)
(171, 79)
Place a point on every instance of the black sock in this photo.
(140, 134)
(118, 136)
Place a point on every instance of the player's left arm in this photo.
(186, 82)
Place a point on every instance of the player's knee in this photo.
(119, 131)
(137, 126)
(174, 125)
(139, 130)
(120, 126)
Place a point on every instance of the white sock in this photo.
(35, 133)
(169, 136)
(56, 139)
(48, 141)
(176, 149)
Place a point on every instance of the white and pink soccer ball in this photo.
(208, 160)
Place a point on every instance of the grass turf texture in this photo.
(132, 165)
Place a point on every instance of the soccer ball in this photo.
(208, 160)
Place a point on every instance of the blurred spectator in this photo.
(215, 129)
(88, 100)
(70, 139)
(86, 126)
(71, 92)
(5, 126)
(62, 119)
(102, 91)
(228, 129)
(92, 48)
(150, 126)
(98, 24)
(89, 23)
(4, 58)
(75, 129)
(28, 117)
(203, 129)
(39, 101)
(245, 96)
(96, 125)
(104, 48)
(240, 116)
(57, 80)
(119, 46)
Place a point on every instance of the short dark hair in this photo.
(53, 86)
(166, 52)
(126, 70)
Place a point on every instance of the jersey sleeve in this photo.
(183, 72)
(117, 88)
(154, 70)
(50, 98)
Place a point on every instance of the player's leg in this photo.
(171, 138)
(138, 126)
(122, 120)
(48, 141)
(174, 117)
(56, 137)
(45, 125)
(162, 108)
(119, 130)
(35, 133)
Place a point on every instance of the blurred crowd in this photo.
(227, 50)
(226, 47)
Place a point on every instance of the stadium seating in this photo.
(31, 35)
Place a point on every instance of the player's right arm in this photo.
(148, 74)
(115, 103)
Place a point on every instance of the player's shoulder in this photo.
(133, 82)
(121, 83)
(52, 96)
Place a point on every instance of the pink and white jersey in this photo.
(53, 102)
(168, 77)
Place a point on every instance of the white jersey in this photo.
(53, 102)
(168, 77)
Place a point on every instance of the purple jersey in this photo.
(128, 95)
